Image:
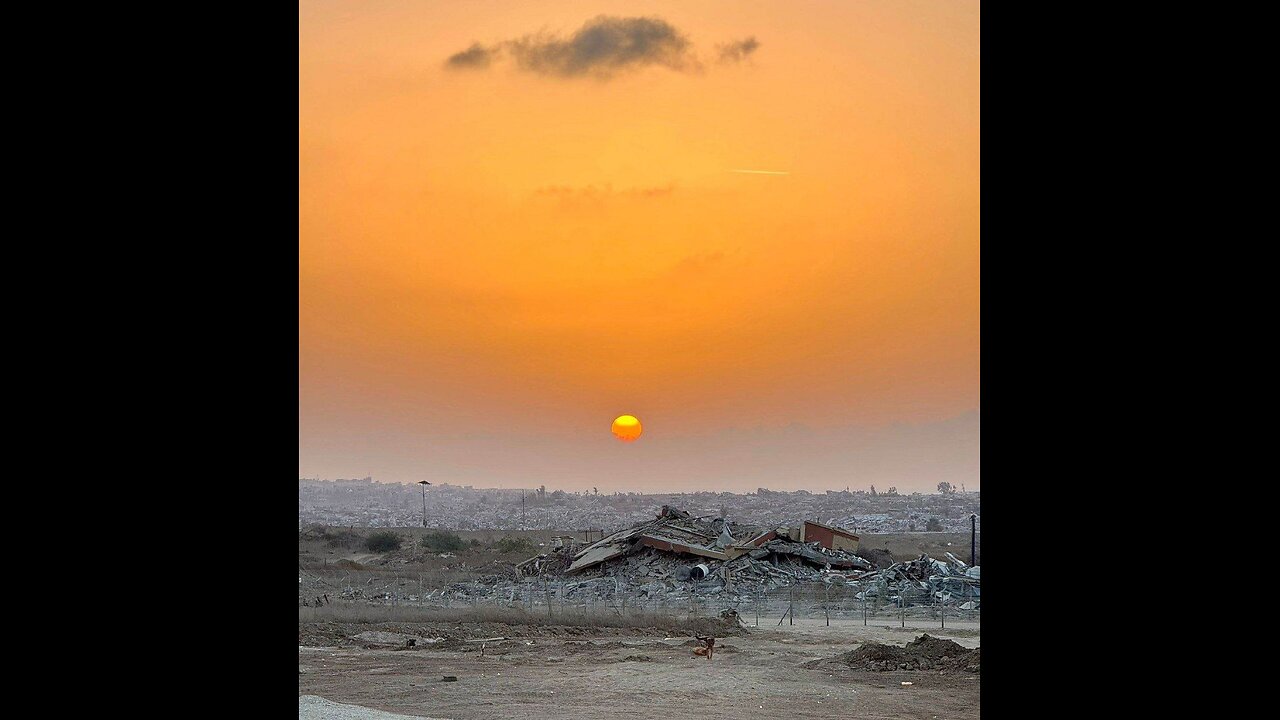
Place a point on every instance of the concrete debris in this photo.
(595, 556)
(676, 558)
(652, 558)
(674, 532)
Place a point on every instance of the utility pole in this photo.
(522, 525)
(424, 485)
(973, 539)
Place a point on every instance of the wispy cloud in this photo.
(738, 50)
(593, 192)
(476, 57)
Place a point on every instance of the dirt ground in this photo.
(545, 672)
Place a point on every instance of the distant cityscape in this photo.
(365, 503)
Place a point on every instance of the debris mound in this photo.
(879, 557)
(923, 653)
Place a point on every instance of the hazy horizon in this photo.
(756, 229)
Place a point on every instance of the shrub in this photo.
(441, 541)
(512, 544)
(383, 541)
(934, 525)
(342, 538)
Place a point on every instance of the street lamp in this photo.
(973, 539)
(424, 485)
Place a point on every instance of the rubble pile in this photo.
(676, 557)
(925, 578)
(923, 653)
(720, 555)
(675, 547)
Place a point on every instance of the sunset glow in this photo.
(759, 228)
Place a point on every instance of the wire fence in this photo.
(913, 604)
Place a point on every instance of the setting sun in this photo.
(627, 428)
(762, 227)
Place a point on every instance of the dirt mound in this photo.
(923, 653)
(376, 638)
(578, 647)
(880, 557)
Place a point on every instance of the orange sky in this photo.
(494, 262)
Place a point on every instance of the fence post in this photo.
(826, 602)
(757, 608)
(791, 604)
(944, 611)
(902, 601)
(864, 607)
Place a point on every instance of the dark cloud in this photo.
(738, 50)
(605, 46)
(602, 48)
(476, 57)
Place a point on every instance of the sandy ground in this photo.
(603, 676)
(311, 707)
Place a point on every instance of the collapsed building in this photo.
(675, 547)
(675, 557)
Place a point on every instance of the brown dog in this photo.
(708, 649)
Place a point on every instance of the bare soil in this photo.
(576, 673)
